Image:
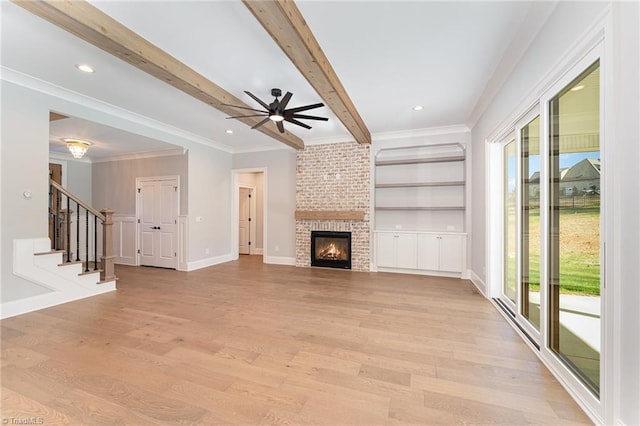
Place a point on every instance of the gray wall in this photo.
(24, 164)
(280, 190)
(79, 179)
(209, 197)
(565, 25)
(114, 182)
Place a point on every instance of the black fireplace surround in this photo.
(331, 249)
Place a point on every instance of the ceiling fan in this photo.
(277, 111)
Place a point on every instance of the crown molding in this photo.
(67, 157)
(141, 155)
(255, 148)
(329, 140)
(416, 133)
(16, 77)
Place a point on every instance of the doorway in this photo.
(157, 207)
(247, 182)
(246, 219)
(55, 174)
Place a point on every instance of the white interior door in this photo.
(244, 220)
(158, 217)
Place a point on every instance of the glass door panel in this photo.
(530, 222)
(510, 271)
(574, 226)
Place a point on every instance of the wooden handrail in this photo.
(77, 199)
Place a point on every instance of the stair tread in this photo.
(90, 271)
(44, 253)
(108, 281)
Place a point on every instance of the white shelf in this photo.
(420, 184)
(419, 161)
(425, 208)
(421, 188)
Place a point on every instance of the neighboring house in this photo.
(581, 178)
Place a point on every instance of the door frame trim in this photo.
(235, 209)
(139, 180)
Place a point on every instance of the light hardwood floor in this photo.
(248, 343)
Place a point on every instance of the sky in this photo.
(566, 160)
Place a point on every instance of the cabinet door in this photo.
(407, 254)
(386, 250)
(451, 253)
(428, 252)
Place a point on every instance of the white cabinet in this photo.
(397, 250)
(441, 252)
(422, 252)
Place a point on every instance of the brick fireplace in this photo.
(333, 195)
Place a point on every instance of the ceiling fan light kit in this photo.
(277, 111)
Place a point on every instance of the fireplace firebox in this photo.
(331, 249)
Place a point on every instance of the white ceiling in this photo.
(389, 55)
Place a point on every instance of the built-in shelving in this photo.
(421, 188)
(419, 160)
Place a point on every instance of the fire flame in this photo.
(331, 252)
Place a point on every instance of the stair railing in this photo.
(65, 238)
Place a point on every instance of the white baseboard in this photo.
(280, 260)
(209, 261)
(477, 281)
(419, 272)
(47, 300)
(257, 251)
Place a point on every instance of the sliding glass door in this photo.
(509, 185)
(551, 225)
(530, 231)
(574, 226)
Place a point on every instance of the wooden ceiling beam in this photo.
(94, 26)
(284, 22)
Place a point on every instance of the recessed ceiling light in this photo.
(84, 68)
(229, 132)
(578, 87)
(418, 108)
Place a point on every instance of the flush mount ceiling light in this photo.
(77, 147)
(418, 108)
(84, 68)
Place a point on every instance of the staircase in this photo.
(57, 264)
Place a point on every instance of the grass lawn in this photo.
(579, 251)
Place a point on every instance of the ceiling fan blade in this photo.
(260, 123)
(309, 117)
(296, 122)
(255, 98)
(252, 115)
(304, 108)
(280, 126)
(241, 107)
(285, 100)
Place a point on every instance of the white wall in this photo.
(209, 198)
(281, 197)
(562, 30)
(626, 239)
